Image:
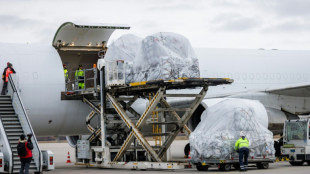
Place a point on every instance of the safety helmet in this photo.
(242, 134)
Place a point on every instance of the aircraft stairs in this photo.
(14, 122)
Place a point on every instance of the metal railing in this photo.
(115, 72)
(89, 79)
(6, 148)
(24, 121)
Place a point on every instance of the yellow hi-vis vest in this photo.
(241, 143)
(66, 73)
(79, 74)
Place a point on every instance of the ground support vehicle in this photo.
(122, 139)
(233, 161)
(296, 139)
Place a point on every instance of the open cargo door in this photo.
(70, 36)
(79, 44)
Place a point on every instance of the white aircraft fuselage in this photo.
(41, 79)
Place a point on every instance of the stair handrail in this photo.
(36, 150)
(6, 148)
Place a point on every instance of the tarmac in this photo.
(61, 150)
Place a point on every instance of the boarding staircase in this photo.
(14, 122)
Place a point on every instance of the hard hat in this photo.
(242, 134)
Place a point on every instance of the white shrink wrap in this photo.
(159, 56)
(220, 127)
(124, 48)
(165, 56)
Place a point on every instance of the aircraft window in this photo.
(285, 76)
(244, 76)
(35, 75)
(251, 76)
(279, 76)
(258, 76)
(265, 76)
(272, 76)
(304, 76)
(292, 76)
(299, 77)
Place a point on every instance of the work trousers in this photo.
(4, 89)
(243, 154)
(81, 85)
(25, 163)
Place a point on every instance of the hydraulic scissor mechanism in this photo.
(156, 128)
(139, 121)
(157, 104)
(95, 132)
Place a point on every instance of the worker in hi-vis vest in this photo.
(242, 146)
(65, 72)
(79, 77)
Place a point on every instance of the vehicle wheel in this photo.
(259, 165)
(236, 166)
(202, 168)
(308, 163)
(265, 165)
(296, 163)
(187, 148)
(225, 167)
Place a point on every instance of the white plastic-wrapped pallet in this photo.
(124, 48)
(220, 126)
(165, 56)
(159, 56)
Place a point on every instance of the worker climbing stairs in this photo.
(14, 122)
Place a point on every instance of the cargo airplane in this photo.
(278, 79)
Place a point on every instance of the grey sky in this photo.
(281, 24)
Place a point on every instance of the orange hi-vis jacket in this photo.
(7, 73)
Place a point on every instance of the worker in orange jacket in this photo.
(5, 77)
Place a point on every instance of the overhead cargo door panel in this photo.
(79, 44)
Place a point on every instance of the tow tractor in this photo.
(296, 141)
